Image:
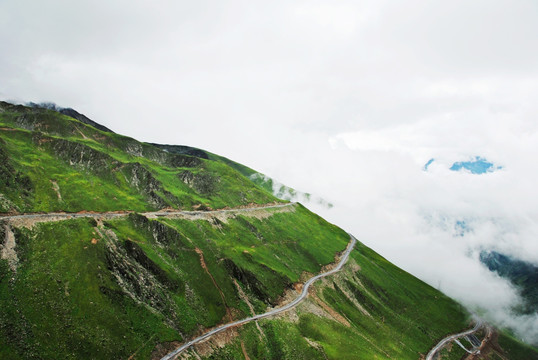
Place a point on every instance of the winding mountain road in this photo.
(450, 338)
(30, 219)
(59, 216)
(272, 312)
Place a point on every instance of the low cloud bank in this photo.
(346, 100)
(435, 223)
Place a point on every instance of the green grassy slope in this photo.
(129, 287)
(141, 282)
(48, 160)
(383, 313)
(513, 349)
(257, 178)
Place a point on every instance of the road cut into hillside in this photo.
(28, 220)
(272, 312)
(433, 352)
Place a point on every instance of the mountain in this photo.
(522, 274)
(278, 189)
(71, 113)
(115, 249)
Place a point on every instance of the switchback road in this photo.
(450, 338)
(272, 312)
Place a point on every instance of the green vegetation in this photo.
(84, 289)
(263, 181)
(523, 275)
(514, 349)
(401, 317)
(63, 302)
(49, 160)
(126, 288)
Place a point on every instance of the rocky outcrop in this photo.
(10, 180)
(163, 235)
(129, 265)
(137, 149)
(251, 281)
(183, 161)
(76, 154)
(133, 278)
(96, 162)
(247, 278)
(143, 180)
(7, 248)
(202, 182)
(135, 251)
(69, 112)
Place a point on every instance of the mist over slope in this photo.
(120, 280)
(344, 99)
(435, 223)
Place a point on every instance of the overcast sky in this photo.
(344, 99)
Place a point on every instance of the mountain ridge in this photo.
(278, 189)
(137, 285)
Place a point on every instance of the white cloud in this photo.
(344, 100)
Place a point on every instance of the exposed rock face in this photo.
(187, 177)
(7, 248)
(183, 161)
(202, 183)
(69, 112)
(162, 234)
(134, 149)
(250, 280)
(183, 150)
(138, 149)
(76, 154)
(132, 277)
(247, 278)
(88, 159)
(135, 251)
(12, 179)
(138, 277)
(141, 179)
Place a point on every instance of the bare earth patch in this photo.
(244, 297)
(204, 266)
(8, 249)
(56, 188)
(218, 340)
(336, 316)
(244, 351)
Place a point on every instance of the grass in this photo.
(515, 349)
(56, 306)
(72, 297)
(406, 317)
(84, 289)
(114, 172)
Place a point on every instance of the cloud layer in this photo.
(344, 100)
